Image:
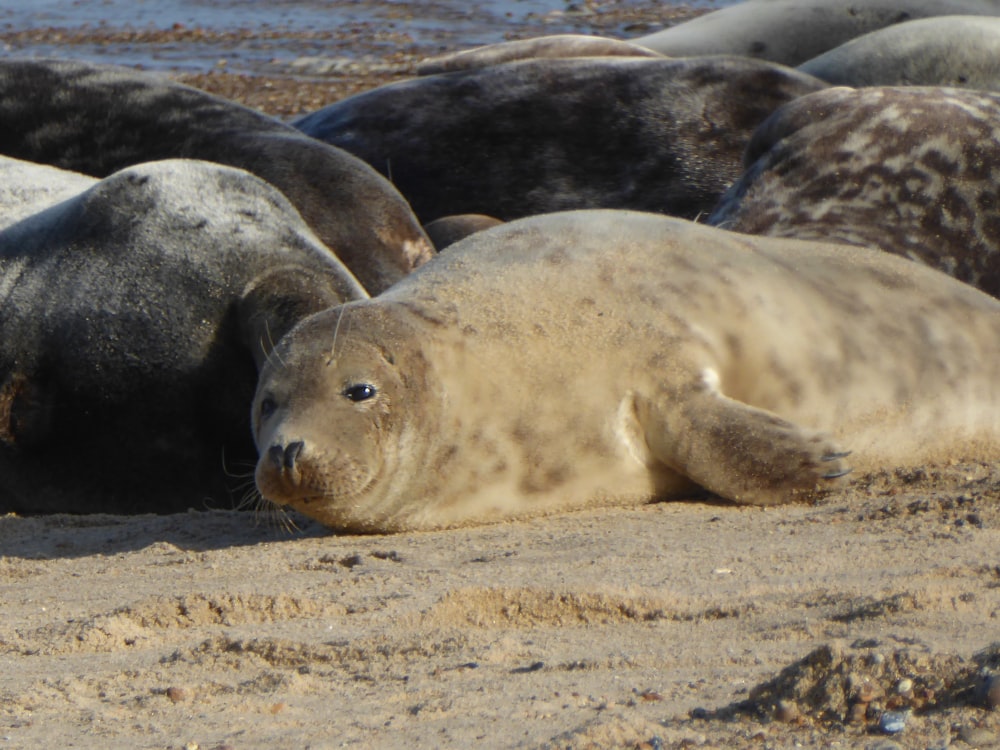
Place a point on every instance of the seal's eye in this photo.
(267, 407)
(360, 392)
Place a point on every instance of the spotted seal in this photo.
(793, 31)
(536, 136)
(598, 357)
(910, 170)
(135, 316)
(97, 119)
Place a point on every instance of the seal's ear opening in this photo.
(275, 301)
(25, 411)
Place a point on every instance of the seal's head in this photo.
(335, 418)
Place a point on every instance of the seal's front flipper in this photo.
(737, 451)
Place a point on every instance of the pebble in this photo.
(178, 694)
(857, 713)
(904, 686)
(992, 692)
(787, 711)
(978, 737)
(893, 722)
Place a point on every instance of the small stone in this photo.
(787, 711)
(893, 722)
(992, 692)
(857, 713)
(978, 737)
(904, 687)
(178, 694)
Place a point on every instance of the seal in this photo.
(537, 136)
(909, 170)
(135, 317)
(98, 119)
(599, 357)
(448, 230)
(550, 47)
(961, 51)
(27, 188)
(794, 31)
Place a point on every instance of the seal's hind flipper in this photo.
(740, 452)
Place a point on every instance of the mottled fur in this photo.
(537, 136)
(601, 357)
(97, 119)
(912, 171)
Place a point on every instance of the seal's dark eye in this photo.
(267, 407)
(361, 392)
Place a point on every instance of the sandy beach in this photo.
(867, 619)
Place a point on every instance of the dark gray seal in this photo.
(536, 136)
(913, 171)
(793, 31)
(135, 317)
(97, 119)
(610, 357)
(961, 51)
(548, 47)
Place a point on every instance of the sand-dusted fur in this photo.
(27, 188)
(134, 318)
(912, 171)
(536, 136)
(97, 119)
(614, 357)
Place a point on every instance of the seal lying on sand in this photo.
(97, 119)
(537, 136)
(613, 357)
(26, 188)
(793, 31)
(912, 171)
(961, 51)
(554, 46)
(135, 316)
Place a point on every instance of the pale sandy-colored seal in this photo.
(26, 188)
(793, 31)
(614, 357)
(97, 119)
(535, 136)
(913, 171)
(962, 51)
(548, 47)
(135, 316)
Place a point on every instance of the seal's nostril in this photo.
(292, 453)
(277, 455)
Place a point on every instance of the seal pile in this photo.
(676, 264)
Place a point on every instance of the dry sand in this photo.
(646, 627)
(692, 624)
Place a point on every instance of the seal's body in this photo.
(613, 357)
(27, 188)
(537, 136)
(97, 119)
(910, 170)
(793, 31)
(961, 51)
(135, 316)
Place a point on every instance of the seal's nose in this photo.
(284, 457)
